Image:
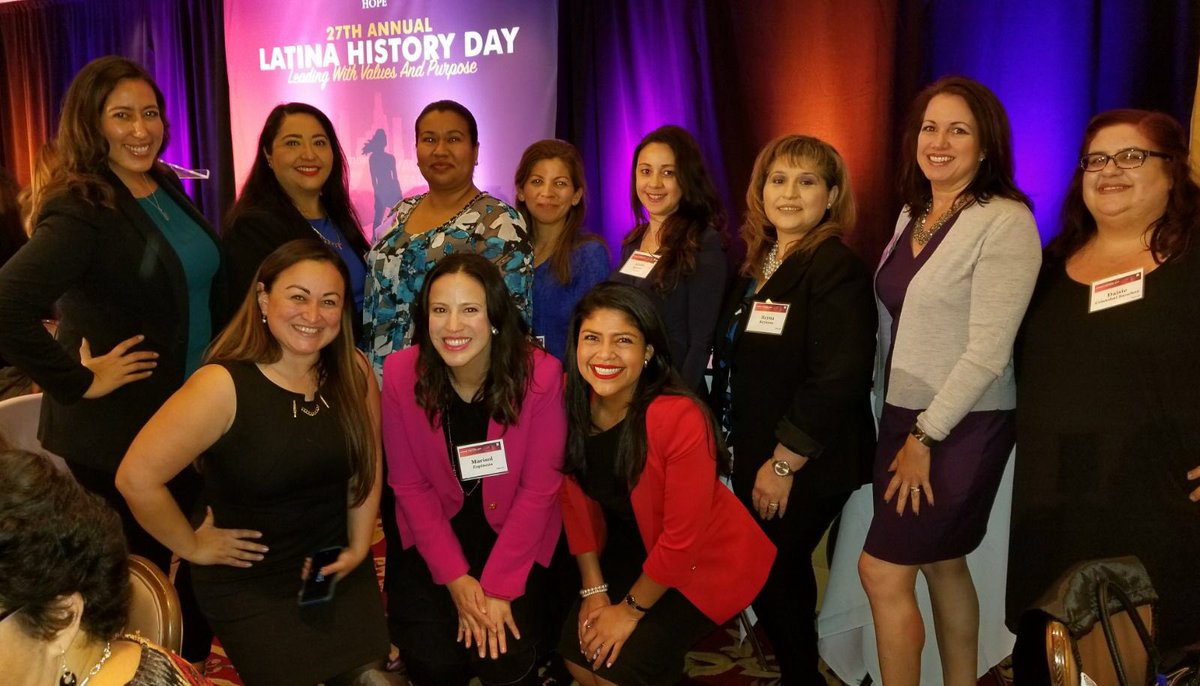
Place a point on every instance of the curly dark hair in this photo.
(510, 363)
(657, 378)
(699, 208)
(994, 178)
(263, 192)
(57, 539)
(1173, 233)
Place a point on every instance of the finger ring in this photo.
(915, 489)
(588, 625)
(772, 506)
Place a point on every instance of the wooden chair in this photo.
(1069, 654)
(154, 610)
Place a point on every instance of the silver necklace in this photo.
(154, 201)
(771, 264)
(336, 245)
(922, 235)
(96, 668)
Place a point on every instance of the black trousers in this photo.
(427, 621)
(197, 636)
(786, 605)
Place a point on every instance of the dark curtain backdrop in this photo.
(735, 73)
(180, 42)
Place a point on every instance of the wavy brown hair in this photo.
(796, 150)
(79, 153)
(1172, 234)
(510, 359)
(699, 208)
(571, 236)
(994, 178)
(340, 370)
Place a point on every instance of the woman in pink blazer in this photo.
(474, 430)
(666, 552)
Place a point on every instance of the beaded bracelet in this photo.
(583, 593)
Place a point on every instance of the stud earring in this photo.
(495, 331)
(645, 363)
(829, 206)
(264, 317)
(982, 158)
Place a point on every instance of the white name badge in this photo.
(767, 317)
(1120, 289)
(478, 460)
(639, 264)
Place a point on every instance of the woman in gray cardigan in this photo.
(951, 290)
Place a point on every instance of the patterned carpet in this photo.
(721, 659)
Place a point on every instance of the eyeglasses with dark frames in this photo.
(1129, 158)
(9, 612)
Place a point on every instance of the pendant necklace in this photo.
(154, 201)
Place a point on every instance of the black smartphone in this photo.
(317, 587)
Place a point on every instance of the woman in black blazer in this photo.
(136, 273)
(793, 361)
(298, 187)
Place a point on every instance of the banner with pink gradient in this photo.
(371, 65)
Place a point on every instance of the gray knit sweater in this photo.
(953, 347)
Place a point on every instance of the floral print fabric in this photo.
(398, 263)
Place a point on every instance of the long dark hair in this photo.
(262, 191)
(699, 208)
(80, 150)
(510, 367)
(994, 178)
(340, 374)
(1171, 234)
(658, 377)
(571, 237)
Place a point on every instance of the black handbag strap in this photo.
(1104, 590)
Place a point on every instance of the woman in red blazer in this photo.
(647, 519)
(474, 428)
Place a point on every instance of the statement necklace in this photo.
(316, 407)
(154, 201)
(771, 264)
(922, 235)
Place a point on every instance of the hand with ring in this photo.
(910, 476)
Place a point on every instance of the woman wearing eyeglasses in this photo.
(1108, 393)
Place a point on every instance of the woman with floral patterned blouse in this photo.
(454, 216)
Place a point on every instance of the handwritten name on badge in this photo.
(767, 317)
(1120, 289)
(639, 264)
(477, 460)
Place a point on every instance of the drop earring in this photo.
(67, 678)
(264, 317)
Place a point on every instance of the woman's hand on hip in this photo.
(233, 547)
(605, 631)
(117, 367)
(910, 477)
